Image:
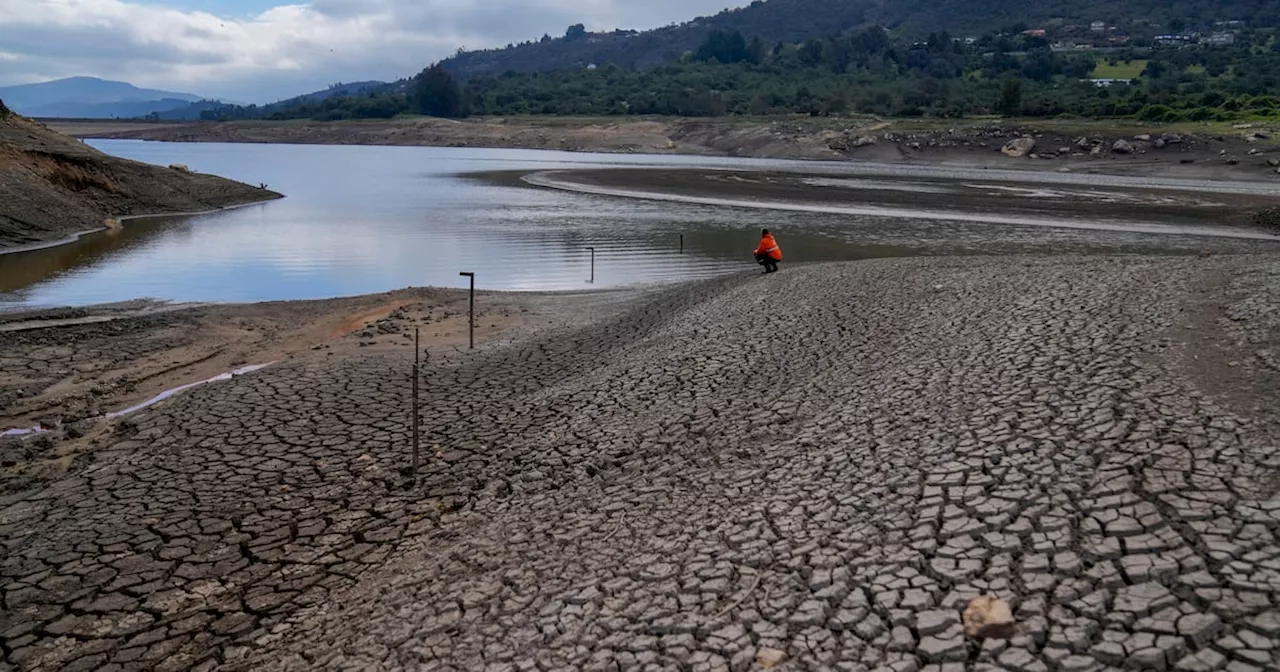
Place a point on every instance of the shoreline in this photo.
(127, 218)
(1200, 150)
(677, 186)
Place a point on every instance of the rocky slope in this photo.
(53, 186)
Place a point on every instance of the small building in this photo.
(1221, 39)
(1034, 32)
(1098, 26)
(1108, 81)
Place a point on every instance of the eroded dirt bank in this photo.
(822, 464)
(52, 186)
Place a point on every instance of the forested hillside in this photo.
(774, 21)
(1192, 61)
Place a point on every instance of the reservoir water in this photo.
(361, 219)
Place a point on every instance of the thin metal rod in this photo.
(682, 243)
(593, 265)
(416, 361)
(472, 310)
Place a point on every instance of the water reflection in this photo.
(368, 219)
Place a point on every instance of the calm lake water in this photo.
(361, 219)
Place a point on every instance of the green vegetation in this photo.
(868, 72)
(1120, 70)
(819, 57)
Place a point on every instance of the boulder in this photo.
(1254, 152)
(1274, 163)
(864, 140)
(1064, 150)
(1082, 142)
(180, 167)
(1171, 138)
(1122, 147)
(1142, 137)
(1019, 147)
(1159, 143)
(989, 617)
(1098, 150)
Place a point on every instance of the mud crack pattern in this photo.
(829, 463)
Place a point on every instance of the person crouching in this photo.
(768, 254)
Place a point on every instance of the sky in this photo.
(260, 51)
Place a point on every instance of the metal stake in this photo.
(682, 243)
(593, 265)
(472, 309)
(416, 360)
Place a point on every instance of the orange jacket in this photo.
(769, 246)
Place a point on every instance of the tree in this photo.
(575, 32)
(436, 94)
(1011, 97)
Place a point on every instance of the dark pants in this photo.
(770, 266)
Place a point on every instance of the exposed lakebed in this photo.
(362, 219)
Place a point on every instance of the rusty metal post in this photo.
(472, 310)
(416, 361)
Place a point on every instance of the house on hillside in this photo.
(1221, 39)
(1098, 26)
(1107, 81)
(1034, 32)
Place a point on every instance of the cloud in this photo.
(287, 49)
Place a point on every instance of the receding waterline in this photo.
(549, 179)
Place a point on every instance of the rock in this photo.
(1171, 138)
(1274, 163)
(988, 616)
(770, 658)
(12, 451)
(1142, 137)
(1082, 142)
(1098, 150)
(1254, 152)
(1033, 155)
(864, 140)
(1233, 162)
(935, 621)
(180, 167)
(1019, 147)
(1159, 143)
(1064, 150)
(1122, 147)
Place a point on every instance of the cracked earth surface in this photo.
(821, 466)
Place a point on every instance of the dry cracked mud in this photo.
(821, 466)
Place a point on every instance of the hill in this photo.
(214, 109)
(90, 98)
(53, 186)
(775, 21)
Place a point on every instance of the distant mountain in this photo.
(206, 109)
(792, 21)
(90, 97)
(340, 89)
